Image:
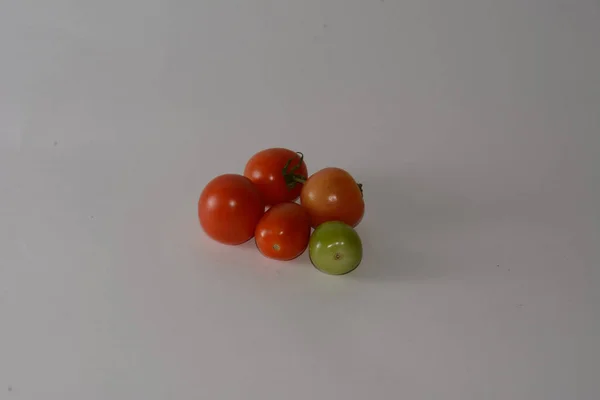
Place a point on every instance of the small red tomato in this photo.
(332, 194)
(266, 169)
(283, 232)
(229, 208)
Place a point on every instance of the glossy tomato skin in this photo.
(335, 248)
(265, 170)
(283, 232)
(332, 194)
(229, 208)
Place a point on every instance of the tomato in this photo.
(283, 232)
(335, 248)
(229, 208)
(331, 194)
(265, 170)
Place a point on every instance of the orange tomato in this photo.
(332, 194)
(283, 232)
(229, 208)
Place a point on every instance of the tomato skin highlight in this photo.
(283, 232)
(264, 169)
(229, 209)
(335, 248)
(332, 194)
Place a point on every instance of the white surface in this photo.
(474, 126)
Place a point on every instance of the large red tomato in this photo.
(229, 208)
(283, 232)
(332, 194)
(273, 172)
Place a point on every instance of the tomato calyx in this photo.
(290, 177)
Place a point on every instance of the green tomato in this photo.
(335, 248)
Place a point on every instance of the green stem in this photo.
(289, 175)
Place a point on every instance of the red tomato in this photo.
(229, 208)
(331, 194)
(283, 232)
(266, 169)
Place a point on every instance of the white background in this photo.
(474, 126)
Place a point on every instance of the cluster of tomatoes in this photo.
(231, 210)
